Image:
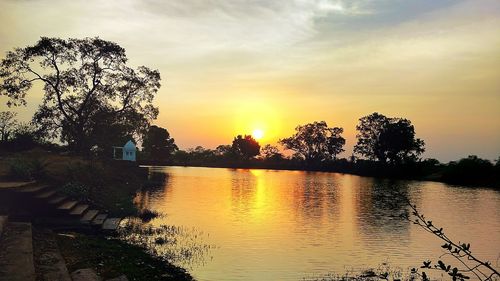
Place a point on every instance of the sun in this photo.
(258, 134)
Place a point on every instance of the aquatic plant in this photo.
(147, 215)
(384, 271)
(183, 246)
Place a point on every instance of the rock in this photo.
(86, 274)
(119, 278)
(16, 253)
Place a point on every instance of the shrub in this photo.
(76, 190)
(24, 169)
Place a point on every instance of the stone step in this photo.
(57, 199)
(85, 274)
(3, 224)
(15, 184)
(89, 216)
(60, 223)
(79, 209)
(45, 194)
(111, 224)
(67, 205)
(32, 188)
(49, 263)
(16, 253)
(99, 219)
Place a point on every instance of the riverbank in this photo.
(108, 185)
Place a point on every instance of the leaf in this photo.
(442, 265)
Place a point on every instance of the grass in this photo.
(111, 258)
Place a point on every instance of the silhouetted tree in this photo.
(225, 151)
(387, 139)
(200, 154)
(7, 124)
(157, 143)
(271, 153)
(315, 142)
(246, 147)
(181, 157)
(470, 170)
(25, 136)
(81, 78)
(369, 130)
(106, 131)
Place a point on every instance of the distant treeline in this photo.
(386, 147)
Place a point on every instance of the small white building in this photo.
(128, 151)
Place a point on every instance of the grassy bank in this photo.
(107, 184)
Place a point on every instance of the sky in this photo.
(230, 67)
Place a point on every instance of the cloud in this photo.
(308, 59)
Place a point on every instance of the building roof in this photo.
(129, 146)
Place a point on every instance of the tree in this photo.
(7, 124)
(369, 129)
(201, 155)
(24, 137)
(387, 139)
(246, 147)
(157, 143)
(181, 157)
(470, 170)
(108, 131)
(271, 152)
(82, 79)
(316, 142)
(225, 151)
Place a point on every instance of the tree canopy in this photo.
(315, 142)
(7, 125)
(87, 85)
(157, 143)
(246, 147)
(387, 139)
(271, 153)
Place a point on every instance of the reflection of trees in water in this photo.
(156, 180)
(155, 186)
(379, 204)
(315, 197)
(243, 188)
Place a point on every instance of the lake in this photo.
(291, 225)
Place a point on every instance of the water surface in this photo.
(287, 225)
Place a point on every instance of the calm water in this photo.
(287, 225)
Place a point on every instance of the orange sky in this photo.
(230, 67)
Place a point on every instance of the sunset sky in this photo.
(231, 67)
